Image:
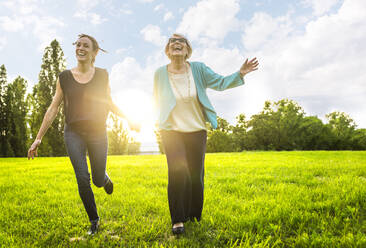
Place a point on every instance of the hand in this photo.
(250, 66)
(134, 126)
(32, 152)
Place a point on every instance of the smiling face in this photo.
(85, 51)
(178, 47)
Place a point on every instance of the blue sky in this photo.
(310, 51)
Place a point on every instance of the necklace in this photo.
(187, 98)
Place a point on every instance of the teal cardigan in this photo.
(204, 78)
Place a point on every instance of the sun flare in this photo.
(138, 106)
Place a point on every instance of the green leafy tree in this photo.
(359, 139)
(277, 126)
(314, 134)
(239, 133)
(134, 147)
(223, 125)
(260, 134)
(117, 137)
(119, 140)
(5, 147)
(53, 63)
(220, 139)
(17, 109)
(342, 127)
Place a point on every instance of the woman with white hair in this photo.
(183, 109)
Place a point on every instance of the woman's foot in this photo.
(93, 228)
(178, 228)
(108, 187)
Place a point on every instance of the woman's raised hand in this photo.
(249, 66)
(32, 152)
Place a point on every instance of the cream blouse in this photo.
(187, 115)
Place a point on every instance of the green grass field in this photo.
(252, 199)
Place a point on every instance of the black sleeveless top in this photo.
(87, 102)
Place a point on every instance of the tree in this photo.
(359, 139)
(5, 148)
(314, 134)
(119, 140)
(223, 125)
(220, 139)
(117, 137)
(17, 109)
(277, 126)
(53, 63)
(239, 133)
(134, 147)
(343, 128)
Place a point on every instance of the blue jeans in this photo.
(78, 141)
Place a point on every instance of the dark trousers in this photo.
(185, 153)
(77, 143)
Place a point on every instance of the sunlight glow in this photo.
(138, 106)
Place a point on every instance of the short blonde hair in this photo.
(189, 47)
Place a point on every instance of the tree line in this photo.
(283, 125)
(22, 113)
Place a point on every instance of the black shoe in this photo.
(108, 187)
(178, 230)
(93, 228)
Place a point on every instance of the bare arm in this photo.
(47, 120)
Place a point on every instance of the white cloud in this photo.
(128, 73)
(263, 28)
(121, 51)
(211, 19)
(84, 12)
(159, 7)
(152, 34)
(28, 16)
(320, 7)
(45, 29)
(145, 1)
(322, 67)
(14, 24)
(23, 7)
(86, 5)
(168, 16)
(126, 11)
(3, 42)
(94, 18)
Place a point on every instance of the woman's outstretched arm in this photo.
(218, 82)
(47, 120)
